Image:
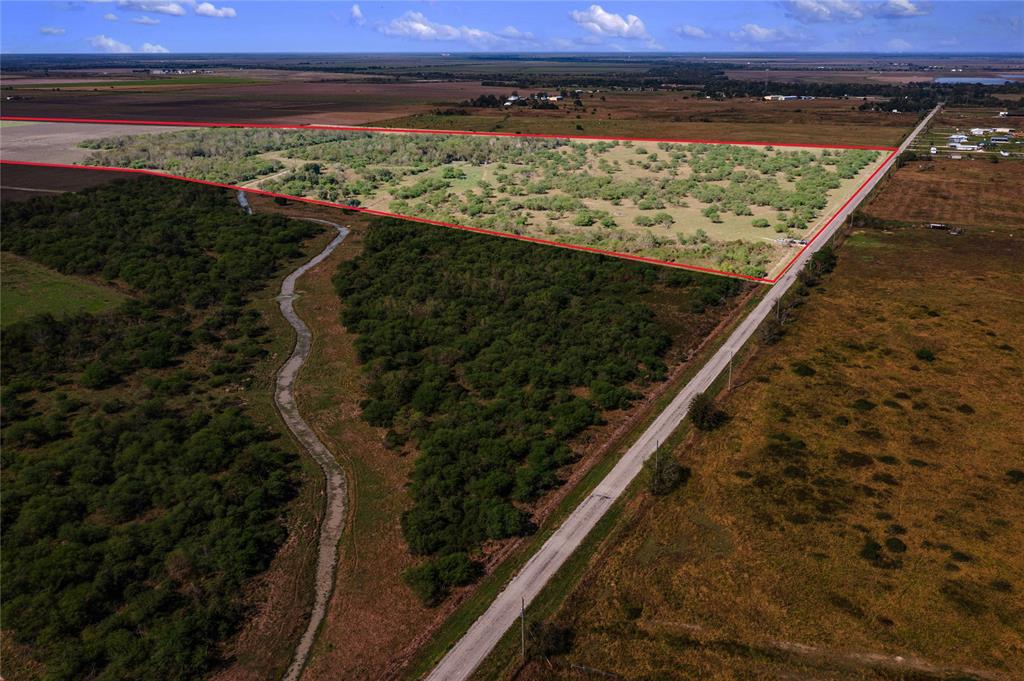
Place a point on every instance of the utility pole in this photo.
(732, 354)
(522, 628)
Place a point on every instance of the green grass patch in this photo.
(28, 288)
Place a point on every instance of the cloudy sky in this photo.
(182, 26)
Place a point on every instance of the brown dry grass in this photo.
(680, 115)
(757, 568)
(970, 117)
(966, 192)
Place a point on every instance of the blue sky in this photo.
(181, 26)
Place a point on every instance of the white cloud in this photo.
(173, 9)
(810, 11)
(688, 31)
(206, 9)
(753, 33)
(110, 16)
(898, 45)
(150, 48)
(513, 33)
(417, 26)
(600, 22)
(357, 15)
(52, 30)
(145, 21)
(899, 9)
(105, 44)
(821, 11)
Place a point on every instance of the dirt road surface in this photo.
(469, 651)
(336, 486)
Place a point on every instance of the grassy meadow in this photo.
(28, 288)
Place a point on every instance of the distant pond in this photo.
(950, 80)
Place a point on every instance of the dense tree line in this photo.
(490, 356)
(903, 96)
(136, 503)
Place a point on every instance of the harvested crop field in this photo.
(59, 142)
(324, 100)
(341, 99)
(18, 182)
(975, 193)
(859, 515)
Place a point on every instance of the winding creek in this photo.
(336, 485)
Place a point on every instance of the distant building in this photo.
(933, 150)
(780, 98)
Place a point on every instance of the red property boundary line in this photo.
(477, 230)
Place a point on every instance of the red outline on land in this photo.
(478, 230)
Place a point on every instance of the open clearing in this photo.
(59, 142)
(863, 500)
(966, 192)
(29, 289)
(735, 208)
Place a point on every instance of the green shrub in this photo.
(704, 413)
(803, 369)
(548, 639)
(664, 472)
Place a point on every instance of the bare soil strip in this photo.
(337, 488)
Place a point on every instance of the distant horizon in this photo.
(741, 27)
(647, 55)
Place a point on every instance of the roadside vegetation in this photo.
(488, 357)
(720, 205)
(139, 496)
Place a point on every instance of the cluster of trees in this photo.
(543, 185)
(490, 356)
(218, 155)
(136, 503)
